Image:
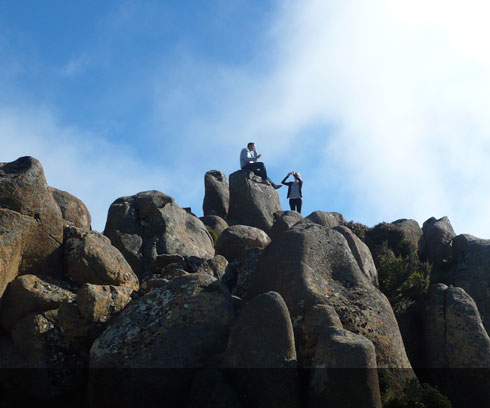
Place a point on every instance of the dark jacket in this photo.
(289, 183)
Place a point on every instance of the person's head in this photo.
(251, 146)
(297, 175)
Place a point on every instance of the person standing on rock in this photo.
(248, 161)
(294, 191)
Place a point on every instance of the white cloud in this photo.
(82, 163)
(75, 66)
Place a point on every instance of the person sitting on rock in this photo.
(294, 191)
(248, 161)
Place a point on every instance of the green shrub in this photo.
(419, 396)
(403, 279)
(214, 234)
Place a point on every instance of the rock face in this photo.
(437, 239)
(148, 224)
(310, 265)
(215, 222)
(183, 324)
(455, 336)
(411, 231)
(90, 258)
(262, 336)
(284, 220)
(262, 340)
(217, 194)
(29, 294)
(237, 239)
(327, 219)
(362, 254)
(252, 202)
(73, 210)
(31, 226)
(344, 371)
(472, 271)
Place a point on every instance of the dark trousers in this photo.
(295, 204)
(259, 169)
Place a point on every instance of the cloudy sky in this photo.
(384, 107)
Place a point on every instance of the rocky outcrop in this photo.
(309, 265)
(215, 222)
(237, 239)
(183, 324)
(455, 336)
(472, 271)
(148, 224)
(31, 226)
(327, 219)
(362, 254)
(30, 294)
(262, 340)
(262, 336)
(90, 258)
(438, 235)
(344, 372)
(216, 194)
(73, 210)
(252, 202)
(283, 220)
(411, 231)
(240, 273)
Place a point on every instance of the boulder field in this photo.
(247, 306)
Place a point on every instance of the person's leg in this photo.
(299, 204)
(291, 204)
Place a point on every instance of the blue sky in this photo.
(382, 106)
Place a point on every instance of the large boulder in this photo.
(216, 194)
(215, 222)
(344, 371)
(90, 258)
(148, 224)
(438, 234)
(455, 336)
(309, 265)
(261, 345)
(411, 231)
(31, 225)
(237, 239)
(283, 220)
(252, 202)
(28, 294)
(362, 254)
(472, 271)
(327, 219)
(183, 324)
(73, 210)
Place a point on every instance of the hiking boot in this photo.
(277, 186)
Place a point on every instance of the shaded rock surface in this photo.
(361, 253)
(283, 220)
(237, 239)
(28, 294)
(252, 202)
(472, 271)
(438, 234)
(73, 210)
(148, 224)
(31, 226)
(309, 265)
(411, 231)
(216, 194)
(215, 222)
(455, 335)
(344, 371)
(90, 258)
(327, 219)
